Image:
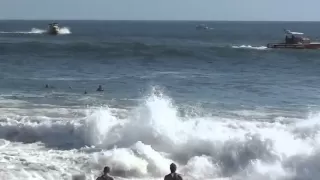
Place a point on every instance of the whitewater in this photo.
(62, 31)
(140, 142)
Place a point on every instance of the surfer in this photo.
(47, 86)
(173, 175)
(105, 175)
(100, 88)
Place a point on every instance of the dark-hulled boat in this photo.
(295, 40)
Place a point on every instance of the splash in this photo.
(64, 30)
(140, 143)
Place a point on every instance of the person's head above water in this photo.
(173, 167)
(100, 88)
(106, 170)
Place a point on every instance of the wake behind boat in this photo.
(295, 40)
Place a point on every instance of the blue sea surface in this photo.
(213, 98)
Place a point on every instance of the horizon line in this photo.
(157, 20)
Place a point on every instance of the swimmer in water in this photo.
(105, 175)
(100, 88)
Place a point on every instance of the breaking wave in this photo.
(140, 143)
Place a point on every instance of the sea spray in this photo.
(151, 136)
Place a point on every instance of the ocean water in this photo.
(218, 103)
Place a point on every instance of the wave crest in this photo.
(143, 142)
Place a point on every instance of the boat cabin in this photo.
(53, 24)
(296, 38)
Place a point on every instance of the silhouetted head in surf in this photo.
(100, 88)
(105, 175)
(173, 175)
(47, 86)
(106, 170)
(173, 167)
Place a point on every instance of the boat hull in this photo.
(53, 32)
(294, 46)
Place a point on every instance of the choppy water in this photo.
(218, 103)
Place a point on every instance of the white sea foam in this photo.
(250, 47)
(63, 30)
(142, 143)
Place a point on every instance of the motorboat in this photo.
(202, 27)
(295, 40)
(53, 29)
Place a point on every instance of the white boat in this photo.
(53, 29)
(202, 27)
